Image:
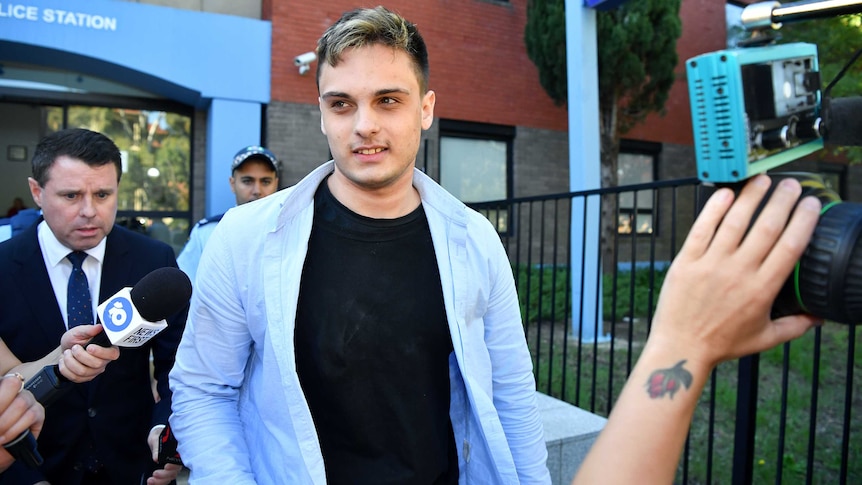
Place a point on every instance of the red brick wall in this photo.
(479, 65)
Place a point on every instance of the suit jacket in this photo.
(104, 422)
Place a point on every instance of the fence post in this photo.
(746, 419)
(584, 168)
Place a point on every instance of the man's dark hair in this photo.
(369, 26)
(90, 147)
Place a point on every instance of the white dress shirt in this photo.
(60, 268)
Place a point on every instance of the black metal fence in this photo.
(788, 415)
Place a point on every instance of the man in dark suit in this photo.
(104, 431)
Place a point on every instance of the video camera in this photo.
(757, 107)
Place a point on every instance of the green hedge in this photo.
(543, 292)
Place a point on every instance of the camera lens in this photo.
(827, 280)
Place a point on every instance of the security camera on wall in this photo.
(306, 58)
(302, 61)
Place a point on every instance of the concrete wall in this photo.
(293, 134)
(540, 162)
(569, 434)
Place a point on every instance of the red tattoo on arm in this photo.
(668, 381)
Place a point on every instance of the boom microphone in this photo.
(842, 125)
(130, 318)
(773, 13)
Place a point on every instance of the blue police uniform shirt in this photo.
(190, 256)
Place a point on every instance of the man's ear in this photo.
(35, 191)
(428, 109)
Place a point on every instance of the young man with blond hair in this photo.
(361, 326)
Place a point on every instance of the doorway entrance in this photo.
(154, 137)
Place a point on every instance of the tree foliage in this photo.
(837, 41)
(545, 38)
(637, 58)
(156, 146)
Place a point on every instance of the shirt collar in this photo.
(56, 252)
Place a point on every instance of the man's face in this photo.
(79, 202)
(252, 180)
(373, 114)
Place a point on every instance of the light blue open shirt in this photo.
(238, 409)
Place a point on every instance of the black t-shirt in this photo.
(372, 348)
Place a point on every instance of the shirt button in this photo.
(91, 412)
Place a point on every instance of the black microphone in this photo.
(133, 316)
(167, 452)
(842, 123)
(130, 318)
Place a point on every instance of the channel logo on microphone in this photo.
(123, 325)
(117, 314)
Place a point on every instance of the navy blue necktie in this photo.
(79, 304)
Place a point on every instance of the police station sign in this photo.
(32, 13)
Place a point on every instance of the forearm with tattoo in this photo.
(668, 381)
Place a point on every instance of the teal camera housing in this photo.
(753, 109)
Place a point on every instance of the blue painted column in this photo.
(584, 170)
(231, 125)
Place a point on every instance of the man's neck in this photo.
(390, 202)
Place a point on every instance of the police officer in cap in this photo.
(254, 175)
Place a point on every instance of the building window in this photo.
(636, 165)
(475, 163)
